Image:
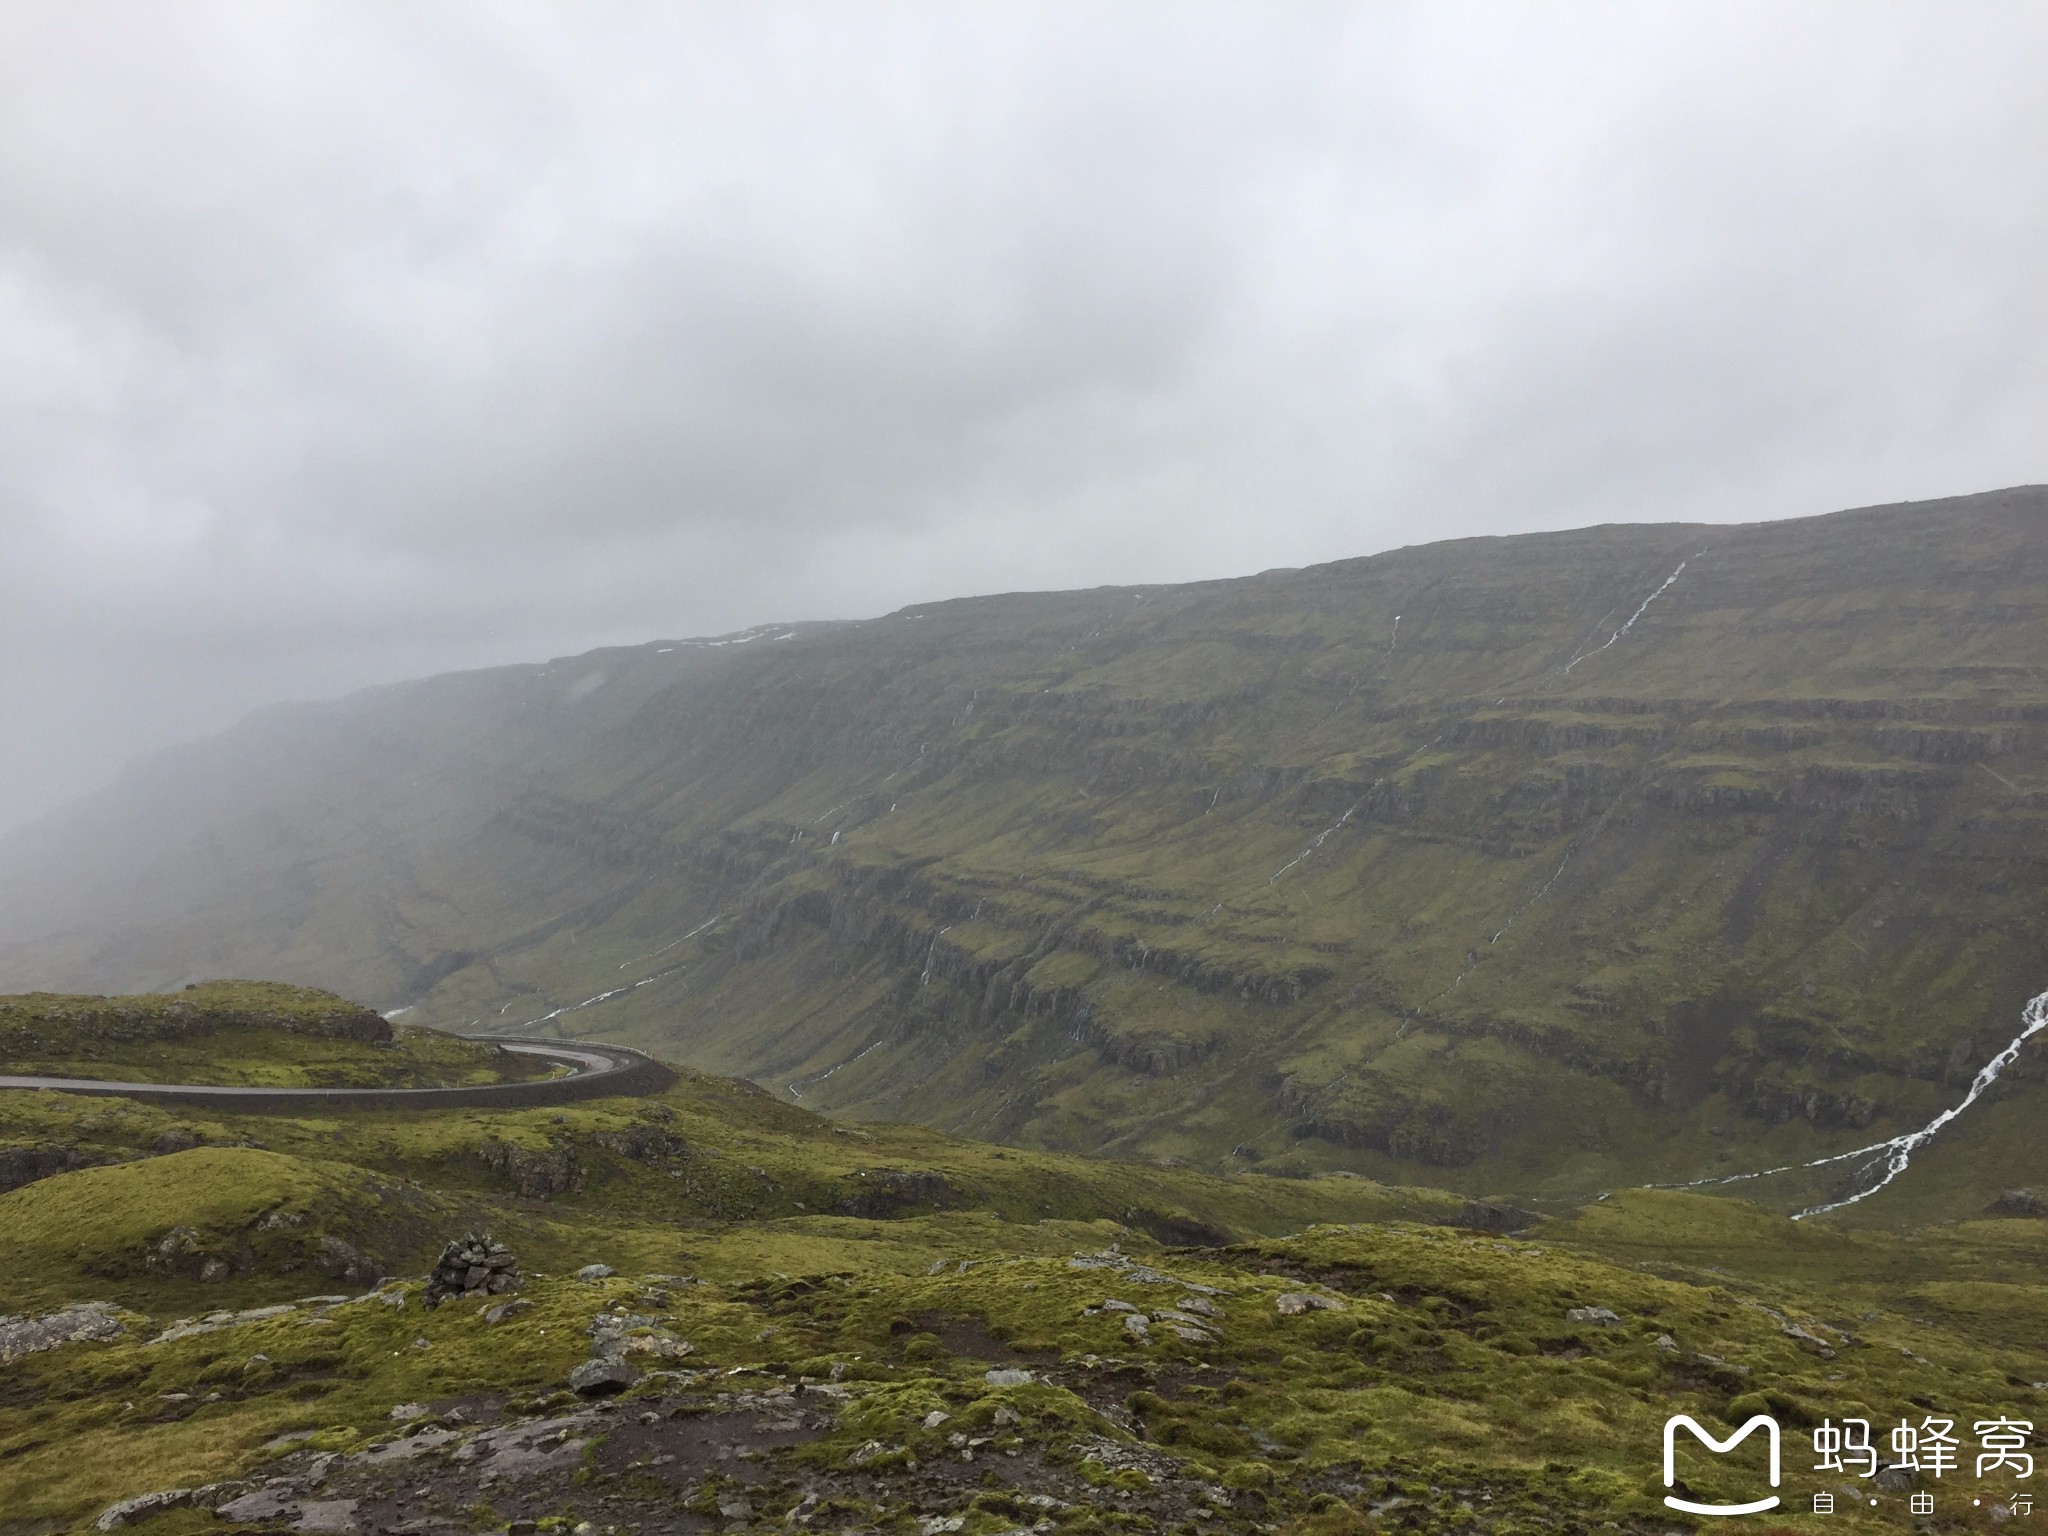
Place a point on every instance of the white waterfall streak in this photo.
(925, 979)
(906, 767)
(671, 944)
(1317, 842)
(588, 1002)
(1542, 891)
(1631, 624)
(812, 1082)
(605, 997)
(1896, 1154)
(1472, 959)
(601, 997)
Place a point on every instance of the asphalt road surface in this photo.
(597, 1072)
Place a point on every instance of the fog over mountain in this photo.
(338, 347)
(1644, 853)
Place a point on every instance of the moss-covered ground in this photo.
(240, 1033)
(821, 1306)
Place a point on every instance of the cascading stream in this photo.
(1320, 838)
(796, 1093)
(1631, 624)
(1896, 1153)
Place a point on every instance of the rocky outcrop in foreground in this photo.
(78, 1323)
(472, 1266)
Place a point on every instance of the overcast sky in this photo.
(347, 343)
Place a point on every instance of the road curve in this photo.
(597, 1072)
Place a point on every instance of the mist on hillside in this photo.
(1049, 770)
(344, 352)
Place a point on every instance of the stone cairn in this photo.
(472, 1266)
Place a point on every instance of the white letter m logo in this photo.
(1671, 1424)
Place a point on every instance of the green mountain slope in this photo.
(1518, 865)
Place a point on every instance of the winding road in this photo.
(596, 1072)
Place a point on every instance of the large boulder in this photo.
(79, 1323)
(605, 1376)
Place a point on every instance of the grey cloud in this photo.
(337, 346)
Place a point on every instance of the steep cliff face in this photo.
(1511, 863)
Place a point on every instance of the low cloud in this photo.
(336, 347)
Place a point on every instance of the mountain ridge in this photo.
(1524, 862)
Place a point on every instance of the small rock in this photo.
(663, 1346)
(1004, 1376)
(861, 1455)
(595, 1272)
(1294, 1303)
(1118, 1306)
(405, 1413)
(736, 1509)
(142, 1506)
(603, 1378)
(1199, 1305)
(940, 1525)
(1668, 1344)
(263, 1504)
(262, 1314)
(1136, 1326)
(505, 1309)
(87, 1321)
(935, 1418)
(1593, 1317)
